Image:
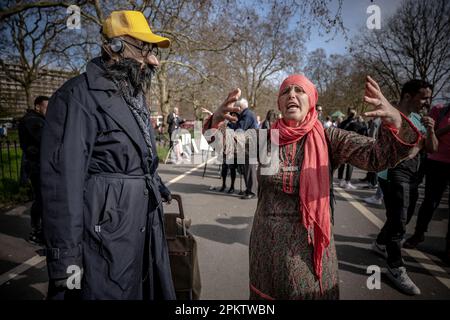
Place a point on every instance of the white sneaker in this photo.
(349, 186)
(342, 183)
(379, 249)
(402, 281)
(373, 200)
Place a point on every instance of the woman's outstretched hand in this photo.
(382, 108)
(223, 112)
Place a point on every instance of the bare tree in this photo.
(14, 7)
(190, 26)
(267, 48)
(414, 43)
(27, 41)
(339, 79)
(317, 69)
(319, 13)
(215, 44)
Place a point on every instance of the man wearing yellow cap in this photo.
(102, 194)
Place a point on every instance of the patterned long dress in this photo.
(281, 264)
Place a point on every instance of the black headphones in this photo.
(116, 45)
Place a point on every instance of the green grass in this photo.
(162, 153)
(13, 135)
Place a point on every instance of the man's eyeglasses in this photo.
(146, 49)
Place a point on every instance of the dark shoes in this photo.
(36, 238)
(414, 241)
(248, 196)
(231, 190)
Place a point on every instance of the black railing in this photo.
(10, 160)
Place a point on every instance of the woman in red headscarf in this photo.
(292, 251)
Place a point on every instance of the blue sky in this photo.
(354, 17)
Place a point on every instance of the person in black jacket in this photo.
(102, 195)
(30, 132)
(358, 126)
(174, 121)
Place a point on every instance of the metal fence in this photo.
(10, 160)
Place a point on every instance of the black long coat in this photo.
(174, 122)
(30, 132)
(102, 194)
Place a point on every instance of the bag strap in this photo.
(177, 198)
(170, 219)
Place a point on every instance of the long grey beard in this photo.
(129, 76)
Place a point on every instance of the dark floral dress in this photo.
(281, 264)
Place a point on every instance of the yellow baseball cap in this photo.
(133, 24)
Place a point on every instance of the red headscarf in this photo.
(314, 197)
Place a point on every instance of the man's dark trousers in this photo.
(36, 207)
(348, 172)
(437, 178)
(250, 178)
(400, 194)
